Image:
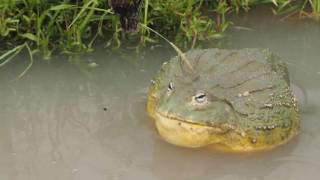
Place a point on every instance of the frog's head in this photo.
(189, 112)
(193, 103)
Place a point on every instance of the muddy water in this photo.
(73, 122)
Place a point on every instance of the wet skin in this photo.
(238, 100)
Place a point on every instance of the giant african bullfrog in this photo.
(239, 100)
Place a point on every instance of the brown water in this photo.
(54, 125)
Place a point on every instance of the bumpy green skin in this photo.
(247, 91)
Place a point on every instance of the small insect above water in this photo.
(128, 10)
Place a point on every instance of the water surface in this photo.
(72, 122)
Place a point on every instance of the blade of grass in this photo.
(180, 53)
(10, 54)
(31, 61)
(83, 9)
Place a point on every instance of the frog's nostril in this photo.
(170, 86)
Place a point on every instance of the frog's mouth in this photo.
(187, 133)
(180, 120)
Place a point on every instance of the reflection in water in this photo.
(7, 170)
(54, 126)
(216, 165)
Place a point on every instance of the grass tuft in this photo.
(75, 26)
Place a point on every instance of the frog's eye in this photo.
(170, 87)
(200, 98)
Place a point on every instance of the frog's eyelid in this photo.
(201, 95)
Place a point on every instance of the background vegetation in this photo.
(75, 26)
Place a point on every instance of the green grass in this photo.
(49, 27)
